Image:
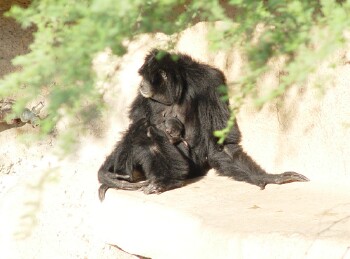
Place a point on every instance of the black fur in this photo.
(178, 86)
(143, 152)
(174, 130)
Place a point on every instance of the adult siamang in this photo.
(175, 85)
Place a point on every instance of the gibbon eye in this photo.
(160, 77)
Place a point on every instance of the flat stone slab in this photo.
(216, 217)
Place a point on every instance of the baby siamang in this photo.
(174, 129)
(143, 152)
(175, 85)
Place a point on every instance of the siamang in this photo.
(175, 85)
(174, 129)
(144, 159)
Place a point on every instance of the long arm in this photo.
(230, 159)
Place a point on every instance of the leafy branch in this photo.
(69, 34)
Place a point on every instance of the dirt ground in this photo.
(309, 134)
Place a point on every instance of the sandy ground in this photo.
(308, 134)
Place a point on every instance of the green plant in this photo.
(70, 33)
(304, 33)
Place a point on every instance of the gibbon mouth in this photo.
(145, 94)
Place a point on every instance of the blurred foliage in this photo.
(69, 33)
